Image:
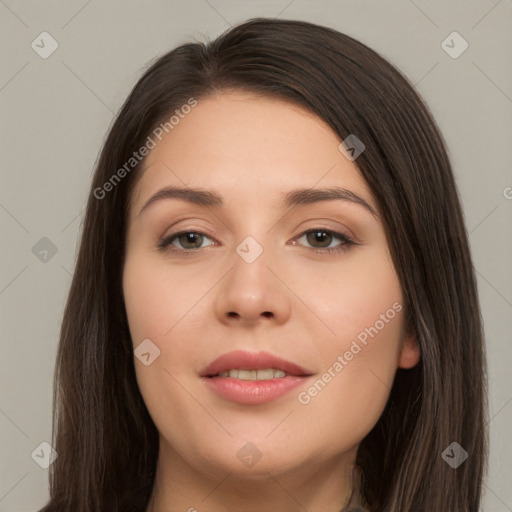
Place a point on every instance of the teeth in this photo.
(269, 373)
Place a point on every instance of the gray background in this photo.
(56, 111)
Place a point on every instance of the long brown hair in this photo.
(106, 442)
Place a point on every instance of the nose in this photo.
(253, 292)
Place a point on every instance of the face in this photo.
(309, 282)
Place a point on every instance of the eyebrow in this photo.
(302, 196)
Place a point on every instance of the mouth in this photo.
(253, 374)
(250, 378)
(244, 365)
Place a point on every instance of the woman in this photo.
(274, 305)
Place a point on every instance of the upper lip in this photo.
(244, 360)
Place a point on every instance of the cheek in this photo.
(154, 309)
(362, 306)
(162, 305)
(351, 392)
(156, 298)
(352, 294)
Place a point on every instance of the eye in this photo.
(183, 241)
(324, 238)
(186, 239)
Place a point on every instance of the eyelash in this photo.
(165, 243)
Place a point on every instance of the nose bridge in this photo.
(251, 290)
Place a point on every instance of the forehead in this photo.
(249, 148)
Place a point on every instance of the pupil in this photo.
(189, 237)
(322, 235)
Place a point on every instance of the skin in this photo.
(252, 150)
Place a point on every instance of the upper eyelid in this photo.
(199, 232)
(314, 226)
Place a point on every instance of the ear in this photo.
(410, 352)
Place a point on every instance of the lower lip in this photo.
(253, 392)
